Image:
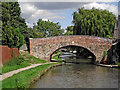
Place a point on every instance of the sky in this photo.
(61, 10)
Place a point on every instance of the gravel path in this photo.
(11, 73)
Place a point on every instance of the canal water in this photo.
(82, 75)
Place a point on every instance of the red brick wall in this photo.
(7, 53)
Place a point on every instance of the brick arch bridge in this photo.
(44, 47)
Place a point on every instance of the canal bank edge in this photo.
(22, 81)
(109, 66)
(102, 65)
(43, 73)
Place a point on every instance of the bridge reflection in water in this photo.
(73, 58)
(78, 73)
(82, 75)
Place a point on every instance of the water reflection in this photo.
(80, 75)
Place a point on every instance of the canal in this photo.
(82, 75)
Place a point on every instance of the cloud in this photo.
(45, 19)
(68, 0)
(32, 13)
(27, 9)
(109, 7)
(119, 8)
(52, 5)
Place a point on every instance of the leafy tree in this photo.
(69, 33)
(93, 22)
(13, 25)
(12, 37)
(48, 28)
(0, 24)
(34, 33)
(69, 30)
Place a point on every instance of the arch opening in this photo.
(118, 50)
(72, 52)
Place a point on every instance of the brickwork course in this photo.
(7, 54)
(43, 48)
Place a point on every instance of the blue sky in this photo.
(60, 11)
(68, 18)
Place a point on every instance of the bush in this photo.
(118, 63)
(105, 53)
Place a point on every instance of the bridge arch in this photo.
(92, 53)
(44, 47)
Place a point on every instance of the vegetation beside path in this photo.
(25, 78)
(55, 56)
(23, 60)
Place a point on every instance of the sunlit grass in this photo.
(21, 61)
(56, 57)
(24, 78)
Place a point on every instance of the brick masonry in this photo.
(43, 48)
(7, 54)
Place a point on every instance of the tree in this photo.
(69, 30)
(48, 28)
(69, 33)
(93, 22)
(34, 33)
(13, 25)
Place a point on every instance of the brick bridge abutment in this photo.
(43, 48)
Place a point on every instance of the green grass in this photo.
(56, 56)
(23, 60)
(24, 78)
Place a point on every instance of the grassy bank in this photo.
(25, 78)
(23, 60)
(55, 56)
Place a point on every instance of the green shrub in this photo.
(105, 52)
(118, 63)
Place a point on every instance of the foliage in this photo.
(93, 22)
(12, 37)
(34, 33)
(25, 78)
(21, 61)
(105, 53)
(15, 63)
(69, 30)
(118, 63)
(56, 56)
(69, 33)
(48, 28)
(13, 26)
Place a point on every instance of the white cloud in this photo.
(46, 14)
(31, 13)
(27, 9)
(44, 19)
(29, 24)
(109, 7)
(68, 0)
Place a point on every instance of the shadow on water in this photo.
(78, 61)
(79, 73)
